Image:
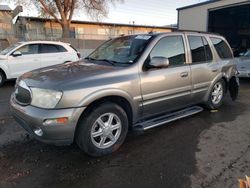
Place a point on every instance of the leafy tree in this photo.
(63, 10)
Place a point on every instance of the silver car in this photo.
(132, 82)
(243, 65)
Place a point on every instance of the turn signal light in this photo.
(55, 121)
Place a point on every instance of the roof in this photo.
(5, 8)
(94, 23)
(198, 4)
(42, 42)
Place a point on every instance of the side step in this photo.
(167, 118)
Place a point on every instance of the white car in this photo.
(243, 65)
(26, 56)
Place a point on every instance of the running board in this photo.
(142, 126)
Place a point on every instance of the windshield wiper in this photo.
(105, 60)
(112, 62)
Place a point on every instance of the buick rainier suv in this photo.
(132, 82)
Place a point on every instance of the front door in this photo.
(27, 61)
(166, 89)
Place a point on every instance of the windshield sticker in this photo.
(143, 37)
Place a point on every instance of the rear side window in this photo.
(51, 48)
(222, 48)
(200, 49)
(171, 47)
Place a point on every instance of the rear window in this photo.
(52, 48)
(222, 48)
(200, 49)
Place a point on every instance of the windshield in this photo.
(10, 48)
(121, 50)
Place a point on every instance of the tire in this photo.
(2, 78)
(94, 132)
(215, 99)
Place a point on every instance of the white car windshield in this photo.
(10, 48)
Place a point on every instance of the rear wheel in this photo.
(216, 95)
(103, 130)
(2, 78)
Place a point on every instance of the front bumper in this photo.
(243, 74)
(32, 118)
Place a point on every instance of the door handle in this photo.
(184, 74)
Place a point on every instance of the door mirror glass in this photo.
(159, 62)
(16, 53)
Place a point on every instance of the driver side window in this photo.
(172, 48)
(28, 49)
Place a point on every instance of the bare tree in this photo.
(63, 10)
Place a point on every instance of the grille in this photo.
(22, 95)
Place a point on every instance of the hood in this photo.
(3, 57)
(67, 75)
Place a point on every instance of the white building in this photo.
(230, 18)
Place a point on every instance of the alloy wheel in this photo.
(106, 130)
(217, 93)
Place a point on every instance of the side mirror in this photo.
(159, 62)
(17, 53)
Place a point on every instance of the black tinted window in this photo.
(171, 47)
(208, 51)
(51, 48)
(29, 49)
(222, 48)
(197, 49)
(61, 48)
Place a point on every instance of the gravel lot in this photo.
(211, 149)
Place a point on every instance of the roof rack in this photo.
(202, 32)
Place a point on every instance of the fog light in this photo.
(38, 132)
(55, 121)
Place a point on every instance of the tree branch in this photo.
(49, 12)
(59, 6)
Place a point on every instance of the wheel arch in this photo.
(1, 70)
(119, 100)
(222, 76)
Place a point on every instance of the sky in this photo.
(141, 12)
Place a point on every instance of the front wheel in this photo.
(217, 94)
(103, 130)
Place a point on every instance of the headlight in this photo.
(45, 98)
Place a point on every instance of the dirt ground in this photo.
(210, 149)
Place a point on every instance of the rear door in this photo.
(52, 54)
(203, 66)
(29, 60)
(166, 89)
(226, 60)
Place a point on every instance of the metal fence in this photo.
(84, 43)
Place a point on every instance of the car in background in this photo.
(26, 56)
(243, 65)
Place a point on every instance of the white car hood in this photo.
(3, 57)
